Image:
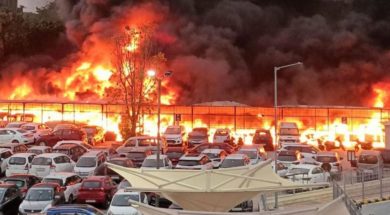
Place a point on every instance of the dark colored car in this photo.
(74, 209)
(174, 154)
(385, 153)
(97, 190)
(138, 155)
(22, 181)
(10, 199)
(225, 146)
(263, 137)
(121, 161)
(95, 134)
(62, 134)
(72, 150)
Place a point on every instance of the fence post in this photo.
(362, 178)
(380, 181)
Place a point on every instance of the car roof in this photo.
(304, 166)
(24, 154)
(92, 153)
(288, 152)
(236, 156)
(333, 154)
(60, 175)
(95, 178)
(5, 185)
(40, 147)
(79, 142)
(141, 137)
(50, 155)
(212, 151)
(46, 184)
(175, 149)
(139, 149)
(154, 156)
(295, 144)
(370, 152)
(65, 146)
(32, 124)
(5, 150)
(192, 157)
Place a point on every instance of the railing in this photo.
(349, 203)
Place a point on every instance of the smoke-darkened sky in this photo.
(226, 50)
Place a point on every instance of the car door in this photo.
(68, 164)
(3, 136)
(318, 175)
(10, 135)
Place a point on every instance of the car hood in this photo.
(34, 205)
(123, 210)
(172, 136)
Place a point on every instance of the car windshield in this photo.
(28, 127)
(63, 151)
(136, 155)
(368, 159)
(298, 171)
(287, 158)
(289, 131)
(86, 162)
(152, 163)
(53, 180)
(35, 151)
(174, 155)
(326, 159)
(41, 161)
(232, 163)
(171, 130)
(123, 200)
(19, 183)
(17, 161)
(250, 154)
(188, 163)
(91, 184)
(43, 194)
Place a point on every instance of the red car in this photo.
(97, 190)
(22, 181)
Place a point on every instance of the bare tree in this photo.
(135, 53)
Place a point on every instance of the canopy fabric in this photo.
(208, 190)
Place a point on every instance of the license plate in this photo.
(90, 201)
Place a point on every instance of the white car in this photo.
(15, 147)
(120, 203)
(215, 155)
(222, 135)
(4, 156)
(76, 142)
(139, 142)
(39, 149)
(89, 162)
(47, 163)
(307, 174)
(308, 152)
(253, 153)
(15, 124)
(288, 133)
(332, 158)
(70, 182)
(175, 135)
(150, 162)
(37, 129)
(19, 164)
(235, 160)
(195, 162)
(15, 135)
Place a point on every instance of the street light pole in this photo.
(158, 121)
(276, 69)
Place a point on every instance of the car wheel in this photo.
(15, 141)
(70, 199)
(42, 143)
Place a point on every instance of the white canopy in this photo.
(216, 190)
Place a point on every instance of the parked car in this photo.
(150, 162)
(199, 148)
(23, 181)
(97, 190)
(45, 164)
(62, 134)
(308, 152)
(73, 151)
(174, 153)
(254, 153)
(102, 169)
(74, 142)
(194, 162)
(77, 209)
(15, 147)
(37, 129)
(95, 134)
(108, 150)
(147, 142)
(175, 135)
(10, 199)
(138, 155)
(69, 182)
(41, 197)
(288, 133)
(4, 156)
(307, 174)
(215, 155)
(39, 149)
(330, 161)
(15, 135)
(385, 153)
(198, 135)
(235, 160)
(288, 158)
(19, 164)
(124, 184)
(15, 124)
(121, 204)
(223, 135)
(61, 126)
(263, 137)
(88, 163)
(369, 165)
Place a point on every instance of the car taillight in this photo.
(102, 189)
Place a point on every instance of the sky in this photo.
(31, 5)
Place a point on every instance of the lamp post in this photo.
(153, 74)
(276, 69)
